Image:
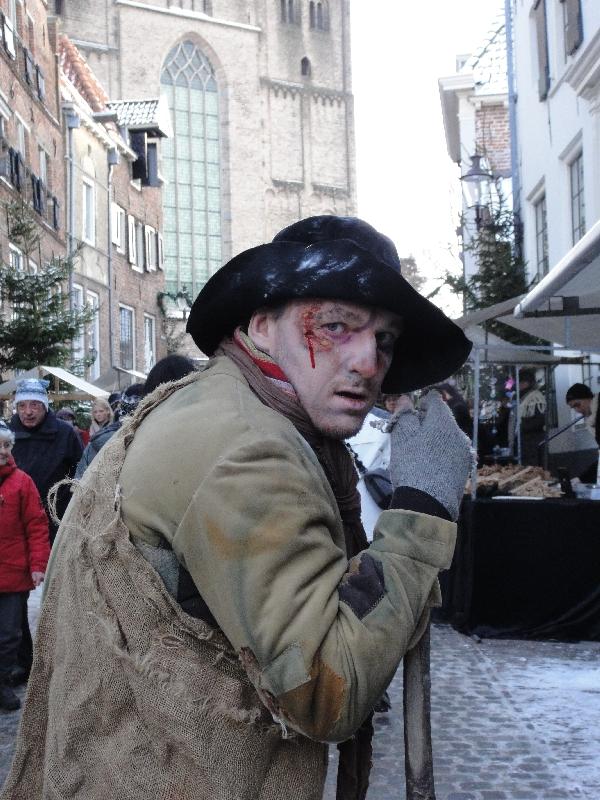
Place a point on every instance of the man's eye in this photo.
(335, 327)
(386, 341)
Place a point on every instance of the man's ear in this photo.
(260, 329)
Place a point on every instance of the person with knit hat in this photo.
(46, 448)
(24, 550)
(214, 615)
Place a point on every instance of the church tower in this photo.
(261, 107)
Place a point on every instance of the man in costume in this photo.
(214, 615)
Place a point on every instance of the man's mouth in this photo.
(354, 398)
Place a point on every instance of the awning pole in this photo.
(518, 415)
(475, 421)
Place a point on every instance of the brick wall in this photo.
(492, 134)
(28, 102)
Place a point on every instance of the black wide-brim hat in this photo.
(333, 258)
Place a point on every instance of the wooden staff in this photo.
(418, 755)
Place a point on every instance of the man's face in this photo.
(335, 354)
(31, 412)
(581, 406)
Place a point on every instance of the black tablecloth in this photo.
(526, 569)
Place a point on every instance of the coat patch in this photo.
(363, 588)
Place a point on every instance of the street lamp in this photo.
(476, 186)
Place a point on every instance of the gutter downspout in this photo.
(112, 160)
(72, 121)
(514, 136)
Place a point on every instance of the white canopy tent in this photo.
(572, 328)
(84, 389)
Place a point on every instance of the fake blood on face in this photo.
(312, 337)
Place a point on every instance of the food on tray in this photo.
(514, 480)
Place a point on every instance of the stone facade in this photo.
(285, 107)
(31, 153)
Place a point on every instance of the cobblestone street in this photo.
(512, 720)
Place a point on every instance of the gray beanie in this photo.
(32, 389)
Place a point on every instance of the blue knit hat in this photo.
(5, 431)
(32, 389)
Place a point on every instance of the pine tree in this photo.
(410, 272)
(501, 271)
(37, 325)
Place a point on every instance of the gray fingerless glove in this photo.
(429, 452)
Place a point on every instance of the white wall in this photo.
(550, 134)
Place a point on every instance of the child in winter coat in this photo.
(24, 551)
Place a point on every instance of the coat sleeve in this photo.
(320, 637)
(35, 523)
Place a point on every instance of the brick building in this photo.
(262, 110)
(114, 220)
(31, 151)
(476, 122)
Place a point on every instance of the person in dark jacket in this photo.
(458, 405)
(24, 550)
(127, 404)
(170, 368)
(46, 448)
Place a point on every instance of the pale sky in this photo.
(405, 177)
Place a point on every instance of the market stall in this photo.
(527, 558)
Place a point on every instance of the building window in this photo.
(151, 249)
(305, 67)
(572, 25)
(577, 198)
(126, 337)
(88, 213)
(22, 138)
(191, 163)
(541, 237)
(131, 241)
(93, 334)
(16, 258)
(8, 24)
(318, 15)
(140, 247)
(79, 340)
(541, 32)
(289, 13)
(43, 156)
(149, 342)
(118, 226)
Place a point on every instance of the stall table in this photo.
(526, 568)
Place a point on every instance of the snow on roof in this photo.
(489, 64)
(143, 115)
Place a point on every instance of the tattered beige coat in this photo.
(130, 697)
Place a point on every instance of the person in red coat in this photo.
(24, 552)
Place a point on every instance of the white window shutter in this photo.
(161, 252)
(114, 223)
(131, 248)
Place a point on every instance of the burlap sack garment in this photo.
(129, 697)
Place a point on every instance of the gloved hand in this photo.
(429, 452)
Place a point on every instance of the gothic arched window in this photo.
(318, 15)
(288, 11)
(191, 162)
(305, 67)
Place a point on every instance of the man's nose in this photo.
(363, 357)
